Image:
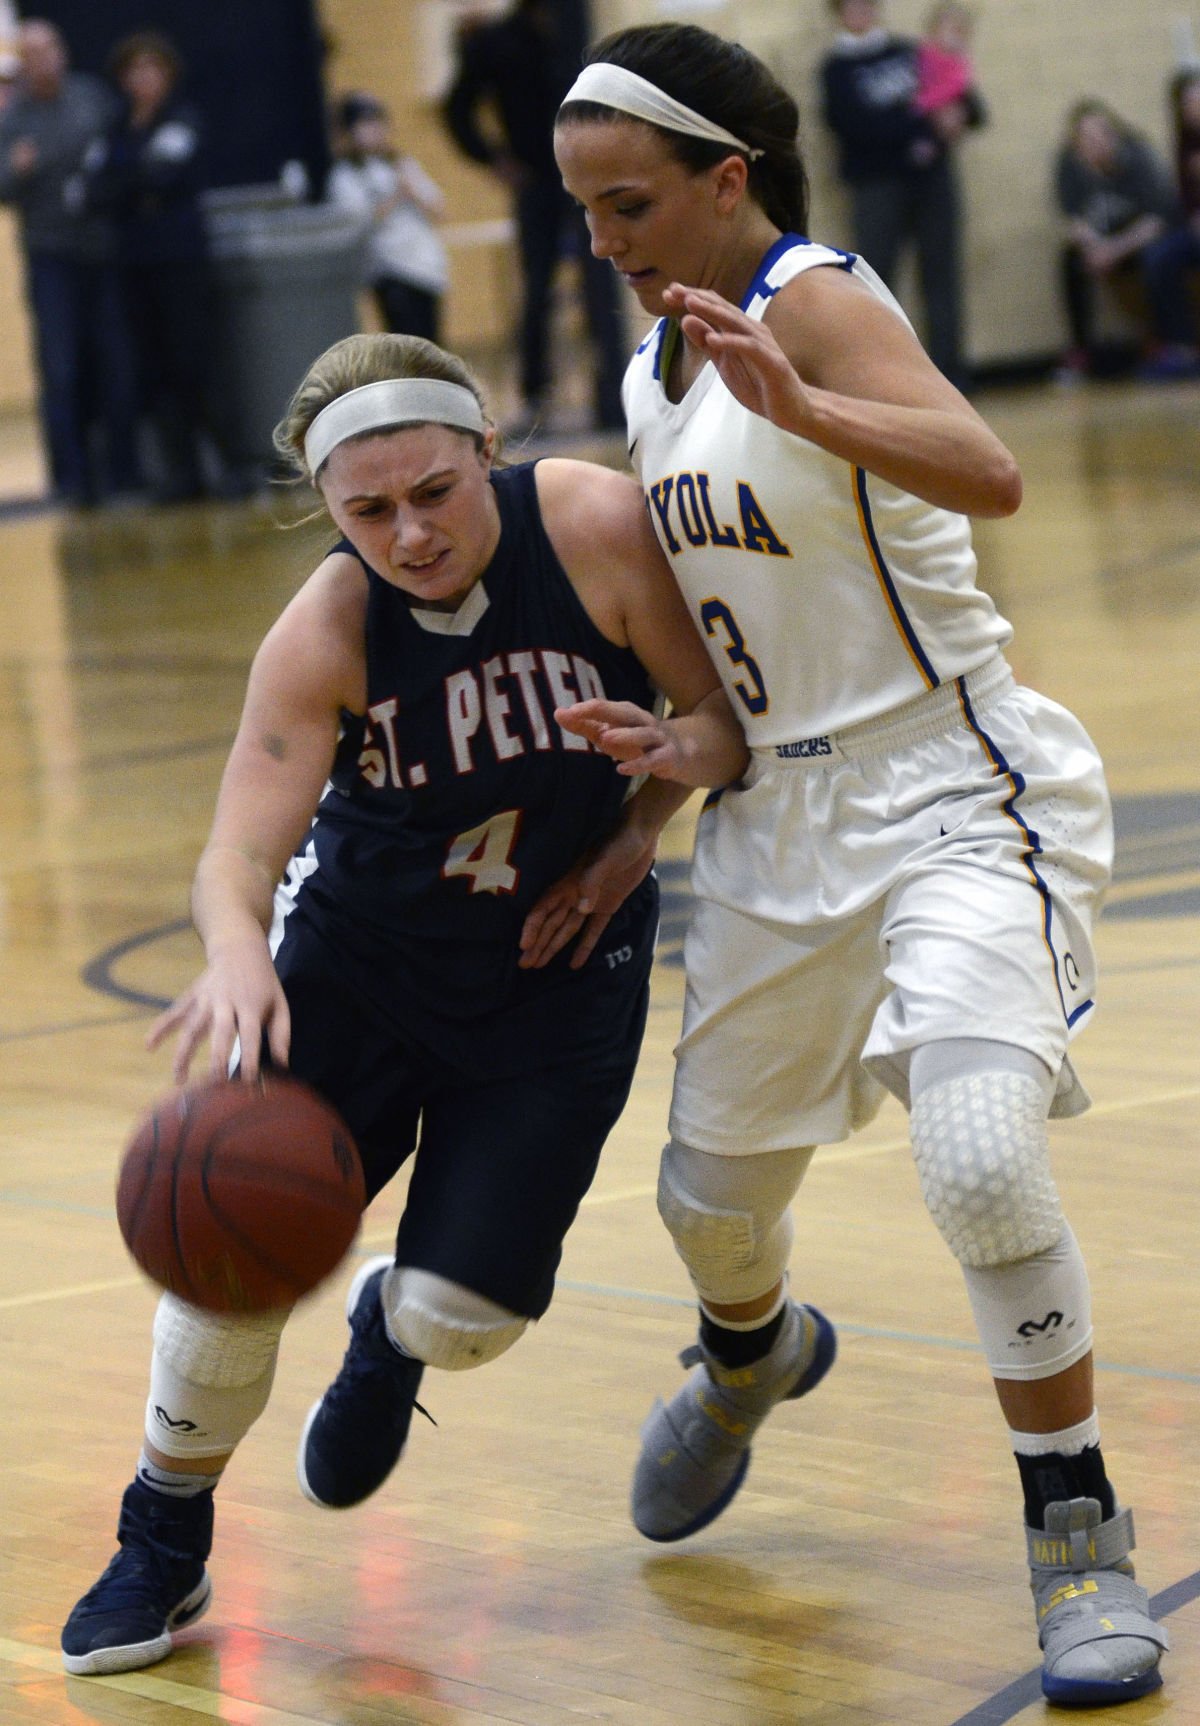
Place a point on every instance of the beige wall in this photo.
(1035, 57)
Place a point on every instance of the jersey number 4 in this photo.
(482, 854)
(753, 692)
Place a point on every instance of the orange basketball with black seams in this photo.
(240, 1197)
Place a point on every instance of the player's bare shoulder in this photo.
(597, 523)
(318, 638)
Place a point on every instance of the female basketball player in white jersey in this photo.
(901, 891)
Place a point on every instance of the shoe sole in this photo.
(824, 1355)
(98, 1662)
(361, 1278)
(1094, 1693)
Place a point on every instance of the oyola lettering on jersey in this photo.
(497, 711)
(683, 509)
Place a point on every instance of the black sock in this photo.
(740, 1347)
(1054, 1478)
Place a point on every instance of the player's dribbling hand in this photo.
(237, 998)
(753, 366)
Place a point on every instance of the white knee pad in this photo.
(1034, 1318)
(729, 1217)
(210, 1377)
(445, 1324)
(983, 1159)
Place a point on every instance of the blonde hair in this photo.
(358, 360)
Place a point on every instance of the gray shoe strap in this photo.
(1078, 1549)
(1113, 1605)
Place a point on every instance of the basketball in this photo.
(240, 1197)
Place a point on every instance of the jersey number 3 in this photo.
(482, 854)
(754, 694)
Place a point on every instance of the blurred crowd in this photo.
(900, 110)
(107, 177)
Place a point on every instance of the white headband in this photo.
(392, 402)
(613, 87)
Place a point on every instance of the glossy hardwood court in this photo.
(872, 1570)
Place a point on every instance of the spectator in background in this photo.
(1171, 261)
(520, 67)
(1119, 203)
(147, 175)
(896, 145)
(945, 72)
(81, 336)
(406, 260)
(10, 73)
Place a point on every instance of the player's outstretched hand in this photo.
(236, 998)
(753, 366)
(639, 741)
(580, 905)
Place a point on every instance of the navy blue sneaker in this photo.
(355, 1435)
(155, 1584)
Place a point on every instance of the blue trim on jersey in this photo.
(1033, 845)
(758, 287)
(660, 330)
(885, 575)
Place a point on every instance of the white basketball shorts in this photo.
(934, 874)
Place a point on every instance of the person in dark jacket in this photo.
(82, 349)
(148, 175)
(521, 66)
(898, 163)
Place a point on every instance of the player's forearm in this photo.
(232, 898)
(712, 748)
(951, 460)
(652, 806)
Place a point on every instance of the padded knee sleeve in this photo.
(729, 1217)
(1034, 1318)
(210, 1377)
(983, 1159)
(445, 1324)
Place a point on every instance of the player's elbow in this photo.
(1002, 488)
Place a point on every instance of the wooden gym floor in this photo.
(872, 1570)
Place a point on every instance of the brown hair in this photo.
(358, 360)
(726, 83)
(151, 42)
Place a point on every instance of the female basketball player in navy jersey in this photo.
(900, 891)
(399, 766)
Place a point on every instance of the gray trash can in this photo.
(286, 278)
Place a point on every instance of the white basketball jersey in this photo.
(827, 597)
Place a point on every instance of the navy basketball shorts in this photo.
(504, 1150)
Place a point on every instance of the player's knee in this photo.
(983, 1159)
(210, 1376)
(445, 1324)
(733, 1252)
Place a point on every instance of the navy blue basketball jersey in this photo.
(456, 799)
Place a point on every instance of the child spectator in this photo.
(945, 72)
(406, 260)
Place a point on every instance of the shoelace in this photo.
(126, 1577)
(359, 1367)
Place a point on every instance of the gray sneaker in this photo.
(1094, 1625)
(696, 1448)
